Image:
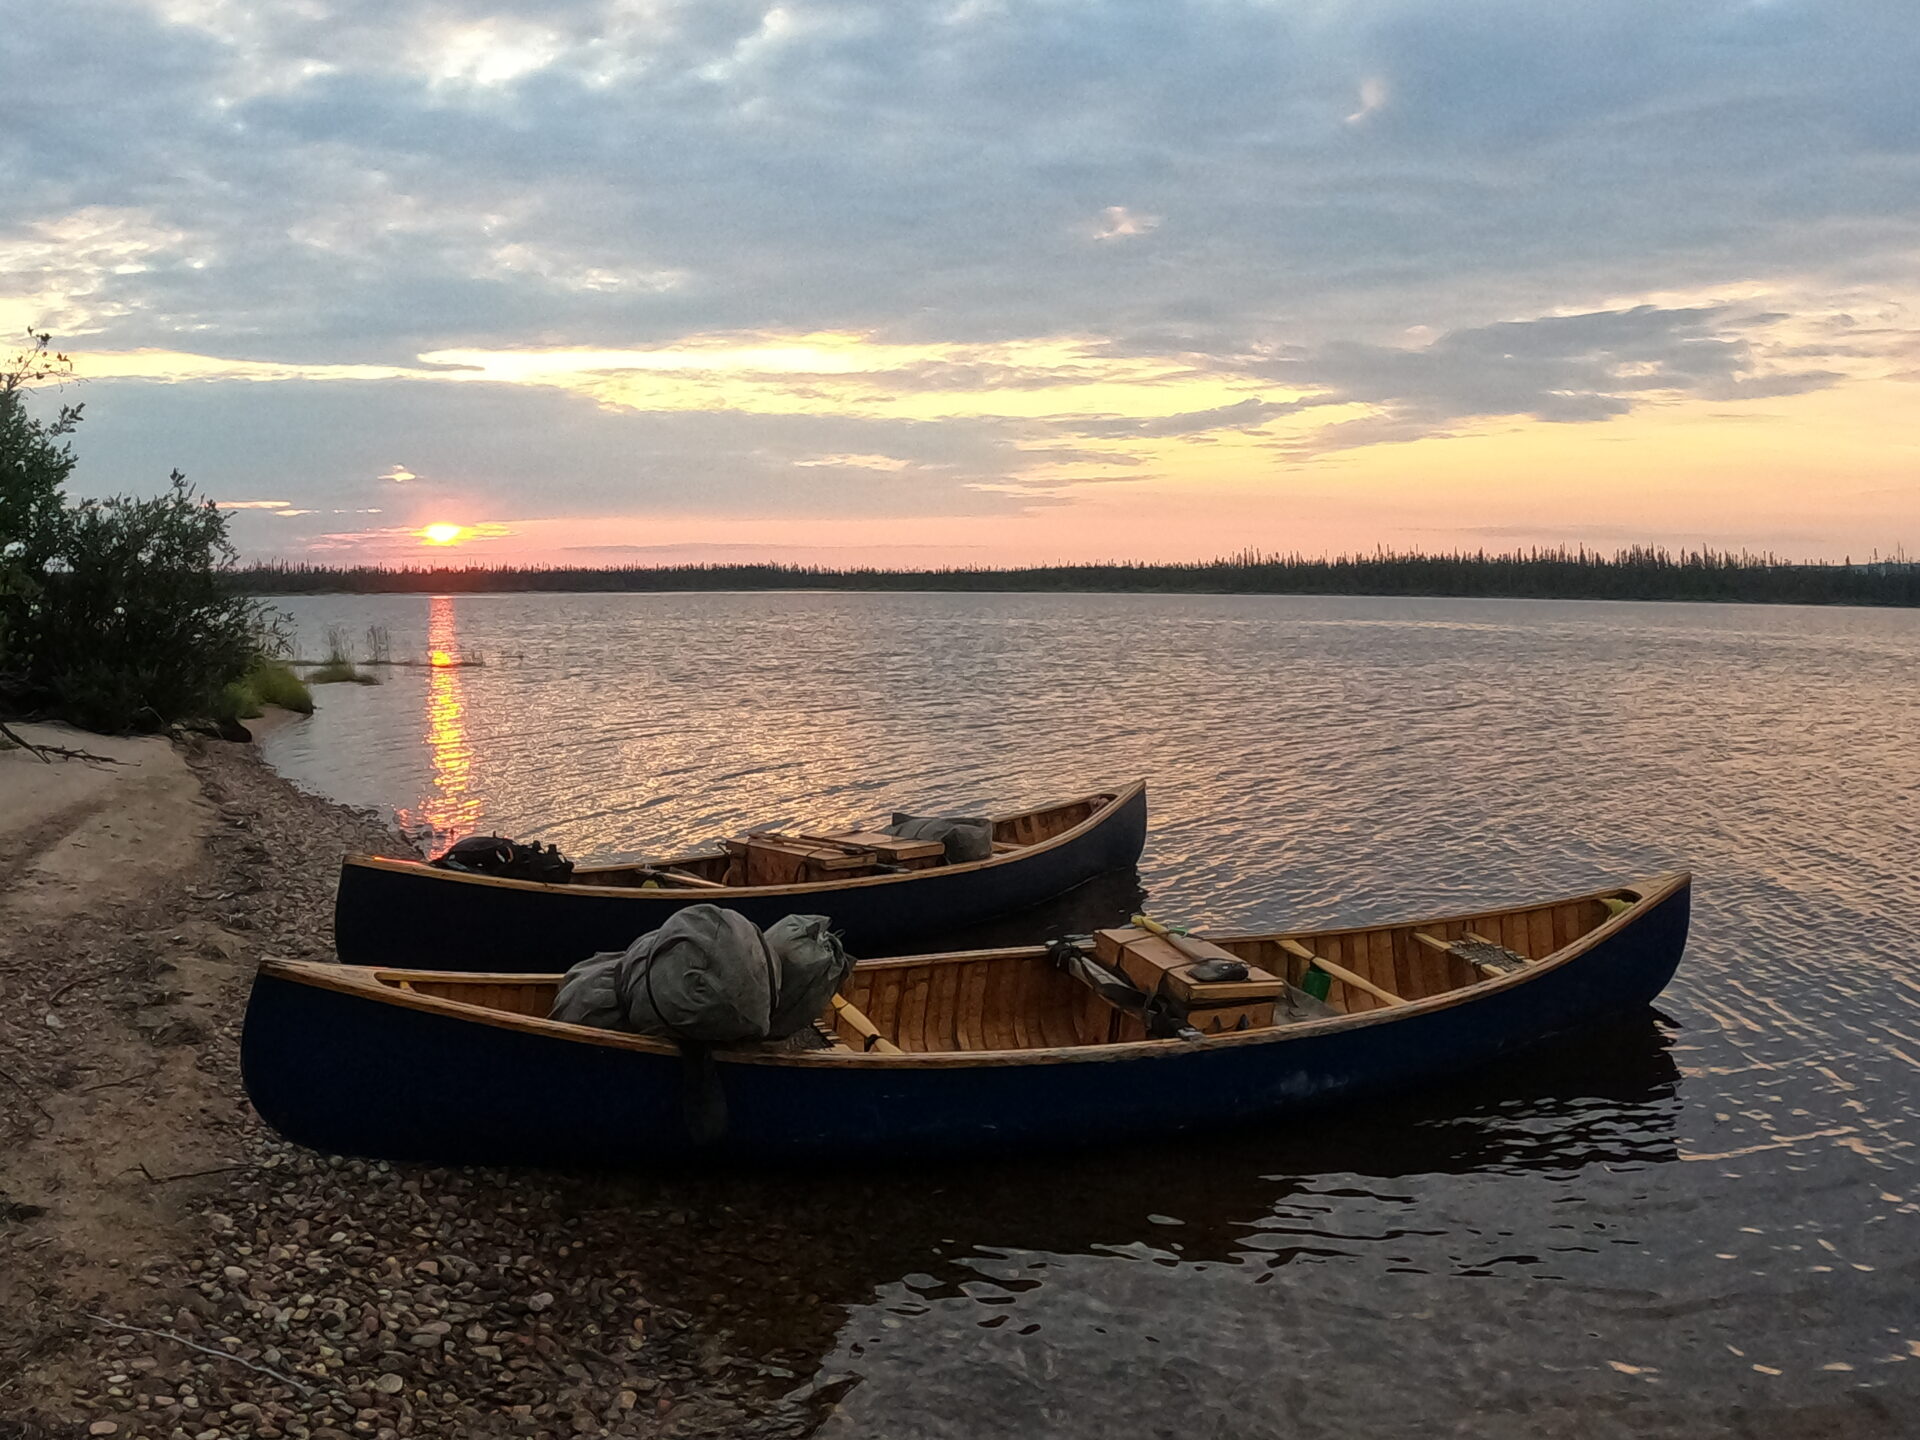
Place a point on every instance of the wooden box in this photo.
(769, 862)
(894, 850)
(1154, 963)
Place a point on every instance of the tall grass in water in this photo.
(339, 666)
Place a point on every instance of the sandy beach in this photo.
(168, 1268)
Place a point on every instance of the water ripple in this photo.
(1680, 1230)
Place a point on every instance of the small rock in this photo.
(103, 1427)
(389, 1384)
(540, 1302)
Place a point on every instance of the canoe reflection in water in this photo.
(917, 1234)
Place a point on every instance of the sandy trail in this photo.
(100, 1012)
(77, 835)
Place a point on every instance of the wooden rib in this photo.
(1540, 931)
(1430, 968)
(1571, 924)
(1409, 966)
(1381, 970)
(1057, 1018)
(1344, 975)
(1001, 996)
(940, 1031)
(1519, 938)
(1353, 1000)
(1093, 1018)
(1021, 993)
(973, 1003)
(1349, 1001)
(911, 1030)
(884, 1004)
(995, 1034)
(865, 1028)
(1511, 928)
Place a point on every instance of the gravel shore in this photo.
(171, 1269)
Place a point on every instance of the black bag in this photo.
(506, 859)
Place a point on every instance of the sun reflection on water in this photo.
(452, 811)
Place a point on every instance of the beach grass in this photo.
(335, 671)
(269, 682)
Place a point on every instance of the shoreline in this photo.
(170, 1268)
(465, 592)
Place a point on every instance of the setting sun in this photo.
(443, 534)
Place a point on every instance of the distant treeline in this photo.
(1636, 574)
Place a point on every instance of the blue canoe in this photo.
(980, 1049)
(409, 913)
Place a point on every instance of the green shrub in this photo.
(115, 614)
(135, 627)
(236, 701)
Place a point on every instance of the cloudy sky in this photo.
(616, 280)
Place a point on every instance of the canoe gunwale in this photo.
(1109, 802)
(382, 984)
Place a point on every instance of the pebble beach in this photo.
(168, 1268)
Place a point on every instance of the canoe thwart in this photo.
(1341, 973)
(855, 1019)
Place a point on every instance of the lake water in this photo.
(1708, 1225)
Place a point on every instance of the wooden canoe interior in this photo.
(713, 868)
(996, 1000)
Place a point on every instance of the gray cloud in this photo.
(892, 165)
(361, 181)
(1559, 369)
(1248, 414)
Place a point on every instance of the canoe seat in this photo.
(1488, 957)
(1483, 954)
